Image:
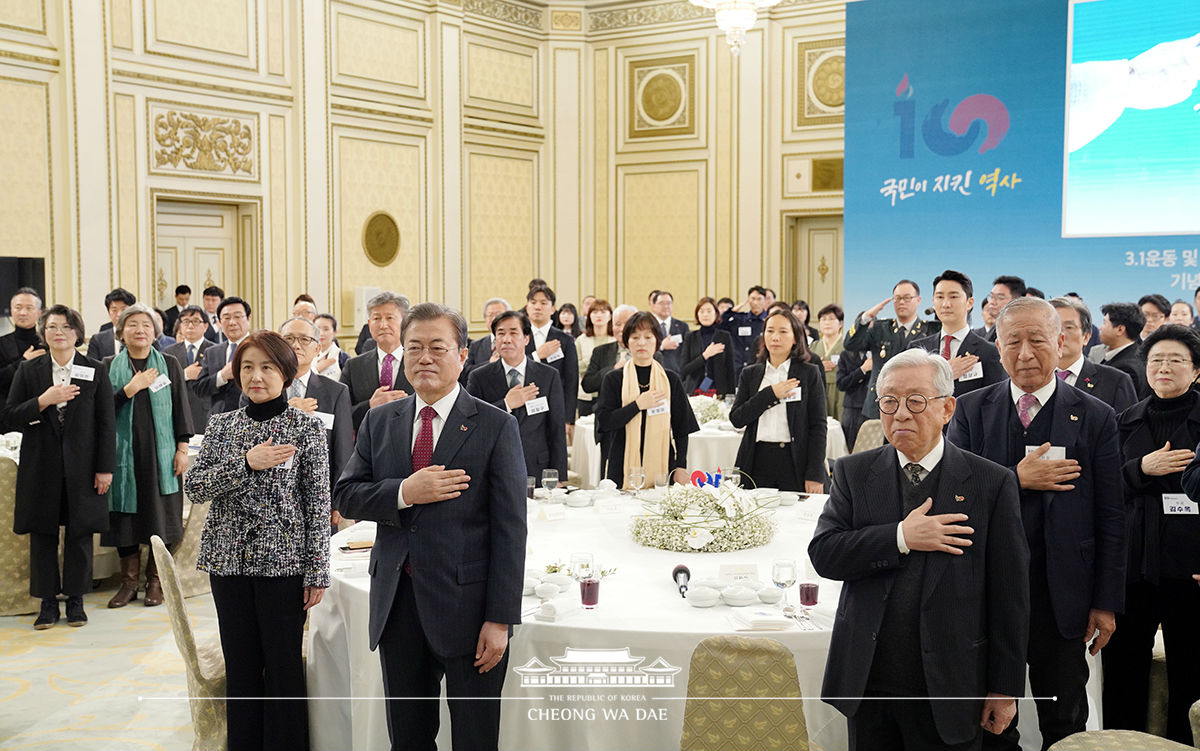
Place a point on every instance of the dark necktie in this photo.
(191, 353)
(514, 378)
(422, 453)
(914, 470)
(386, 375)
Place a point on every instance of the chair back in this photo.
(181, 627)
(14, 549)
(870, 436)
(723, 711)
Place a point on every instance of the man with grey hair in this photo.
(365, 342)
(1062, 445)
(611, 356)
(1104, 382)
(479, 352)
(928, 540)
(377, 376)
(23, 342)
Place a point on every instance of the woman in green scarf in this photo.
(154, 423)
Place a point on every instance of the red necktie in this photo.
(946, 346)
(422, 453)
(385, 373)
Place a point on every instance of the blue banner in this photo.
(958, 156)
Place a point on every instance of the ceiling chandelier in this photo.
(734, 17)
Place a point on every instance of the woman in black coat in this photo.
(620, 414)
(1158, 435)
(781, 404)
(62, 404)
(707, 353)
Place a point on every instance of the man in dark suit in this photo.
(974, 362)
(479, 352)
(183, 296)
(529, 391)
(1120, 332)
(104, 342)
(1063, 446)
(190, 351)
(442, 473)
(23, 342)
(211, 299)
(929, 543)
(217, 381)
(1004, 289)
(1107, 384)
(662, 306)
(552, 346)
(884, 337)
(377, 375)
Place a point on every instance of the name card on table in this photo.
(738, 572)
(551, 512)
(608, 506)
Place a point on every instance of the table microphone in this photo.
(682, 575)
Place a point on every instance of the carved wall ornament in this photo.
(203, 142)
(682, 10)
(662, 97)
(566, 20)
(820, 82)
(505, 11)
(381, 238)
(161, 285)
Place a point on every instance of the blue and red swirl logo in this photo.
(977, 114)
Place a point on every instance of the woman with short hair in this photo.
(707, 353)
(829, 347)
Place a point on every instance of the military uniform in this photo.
(883, 337)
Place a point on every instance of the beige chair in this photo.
(1194, 716)
(724, 667)
(204, 662)
(870, 436)
(192, 581)
(1125, 740)
(1156, 703)
(14, 550)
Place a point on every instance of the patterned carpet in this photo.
(116, 683)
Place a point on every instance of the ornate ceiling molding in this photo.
(505, 11)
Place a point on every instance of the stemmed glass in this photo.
(783, 574)
(637, 478)
(550, 479)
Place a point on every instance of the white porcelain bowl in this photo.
(562, 581)
(770, 595)
(735, 595)
(530, 584)
(702, 597)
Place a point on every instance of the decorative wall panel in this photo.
(276, 37)
(281, 259)
(566, 20)
(372, 50)
(378, 175)
(221, 32)
(122, 24)
(202, 142)
(126, 188)
(662, 97)
(820, 83)
(502, 77)
(509, 12)
(502, 226)
(25, 198)
(25, 15)
(662, 230)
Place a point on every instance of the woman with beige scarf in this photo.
(643, 417)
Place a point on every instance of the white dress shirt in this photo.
(1073, 369)
(956, 340)
(397, 365)
(61, 374)
(334, 371)
(442, 407)
(1043, 395)
(520, 374)
(928, 463)
(773, 424)
(539, 338)
(303, 381)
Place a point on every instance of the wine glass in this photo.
(733, 476)
(637, 478)
(550, 479)
(808, 599)
(783, 574)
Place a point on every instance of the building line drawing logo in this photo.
(597, 667)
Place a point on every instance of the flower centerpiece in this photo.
(704, 519)
(708, 408)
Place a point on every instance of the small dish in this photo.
(562, 581)
(735, 595)
(770, 595)
(788, 498)
(530, 585)
(702, 597)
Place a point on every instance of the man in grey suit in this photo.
(376, 376)
(442, 473)
(190, 351)
(928, 541)
(1106, 383)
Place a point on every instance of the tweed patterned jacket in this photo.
(273, 522)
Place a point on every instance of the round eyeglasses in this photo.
(916, 403)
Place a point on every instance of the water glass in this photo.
(783, 574)
(733, 476)
(550, 479)
(637, 477)
(661, 482)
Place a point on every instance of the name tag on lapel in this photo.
(974, 374)
(677, 338)
(537, 406)
(1179, 503)
(160, 383)
(794, 395)
(1055, 452)
(744, 330)
(325, 418)
(660, 409)
(288, 463)
(82, 373)
(555, 356)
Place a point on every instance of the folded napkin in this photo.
(763, 620)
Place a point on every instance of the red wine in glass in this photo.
(808, 594)
(589, 592)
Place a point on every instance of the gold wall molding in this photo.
(191, 141)
(206, 86)
(339, 106)
(566, 20)
(26, 58)
(662, 97)
(505, 11)
(24, 15)
(623, 18)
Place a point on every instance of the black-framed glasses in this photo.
(916, 403)
(300, 339)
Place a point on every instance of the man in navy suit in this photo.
(377, 375)
(190, 351)
(104, 342)
(529, 391)
(217, 380)
(974, 362)
(442, 473)
(662, 305)
(928, 541)
(552, 346)
(1063, 446)
(479, 352)
(1109, 385)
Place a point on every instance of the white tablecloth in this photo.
(640, 610)
(708, 449)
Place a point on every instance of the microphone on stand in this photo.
(682, 575)
(929, 311)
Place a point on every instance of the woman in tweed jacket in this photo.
(265, 468)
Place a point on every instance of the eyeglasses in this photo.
(436, 351)
(54, 328)
(916, 403)
(904, 298)
(192, 321)
(298, 339)
(1172, 362)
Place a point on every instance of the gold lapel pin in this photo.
(1074, 418)
(463, 428)
(959, 498)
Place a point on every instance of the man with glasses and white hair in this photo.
(377, 376)
(1063, 446)
(480, 352)
(927, 539)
